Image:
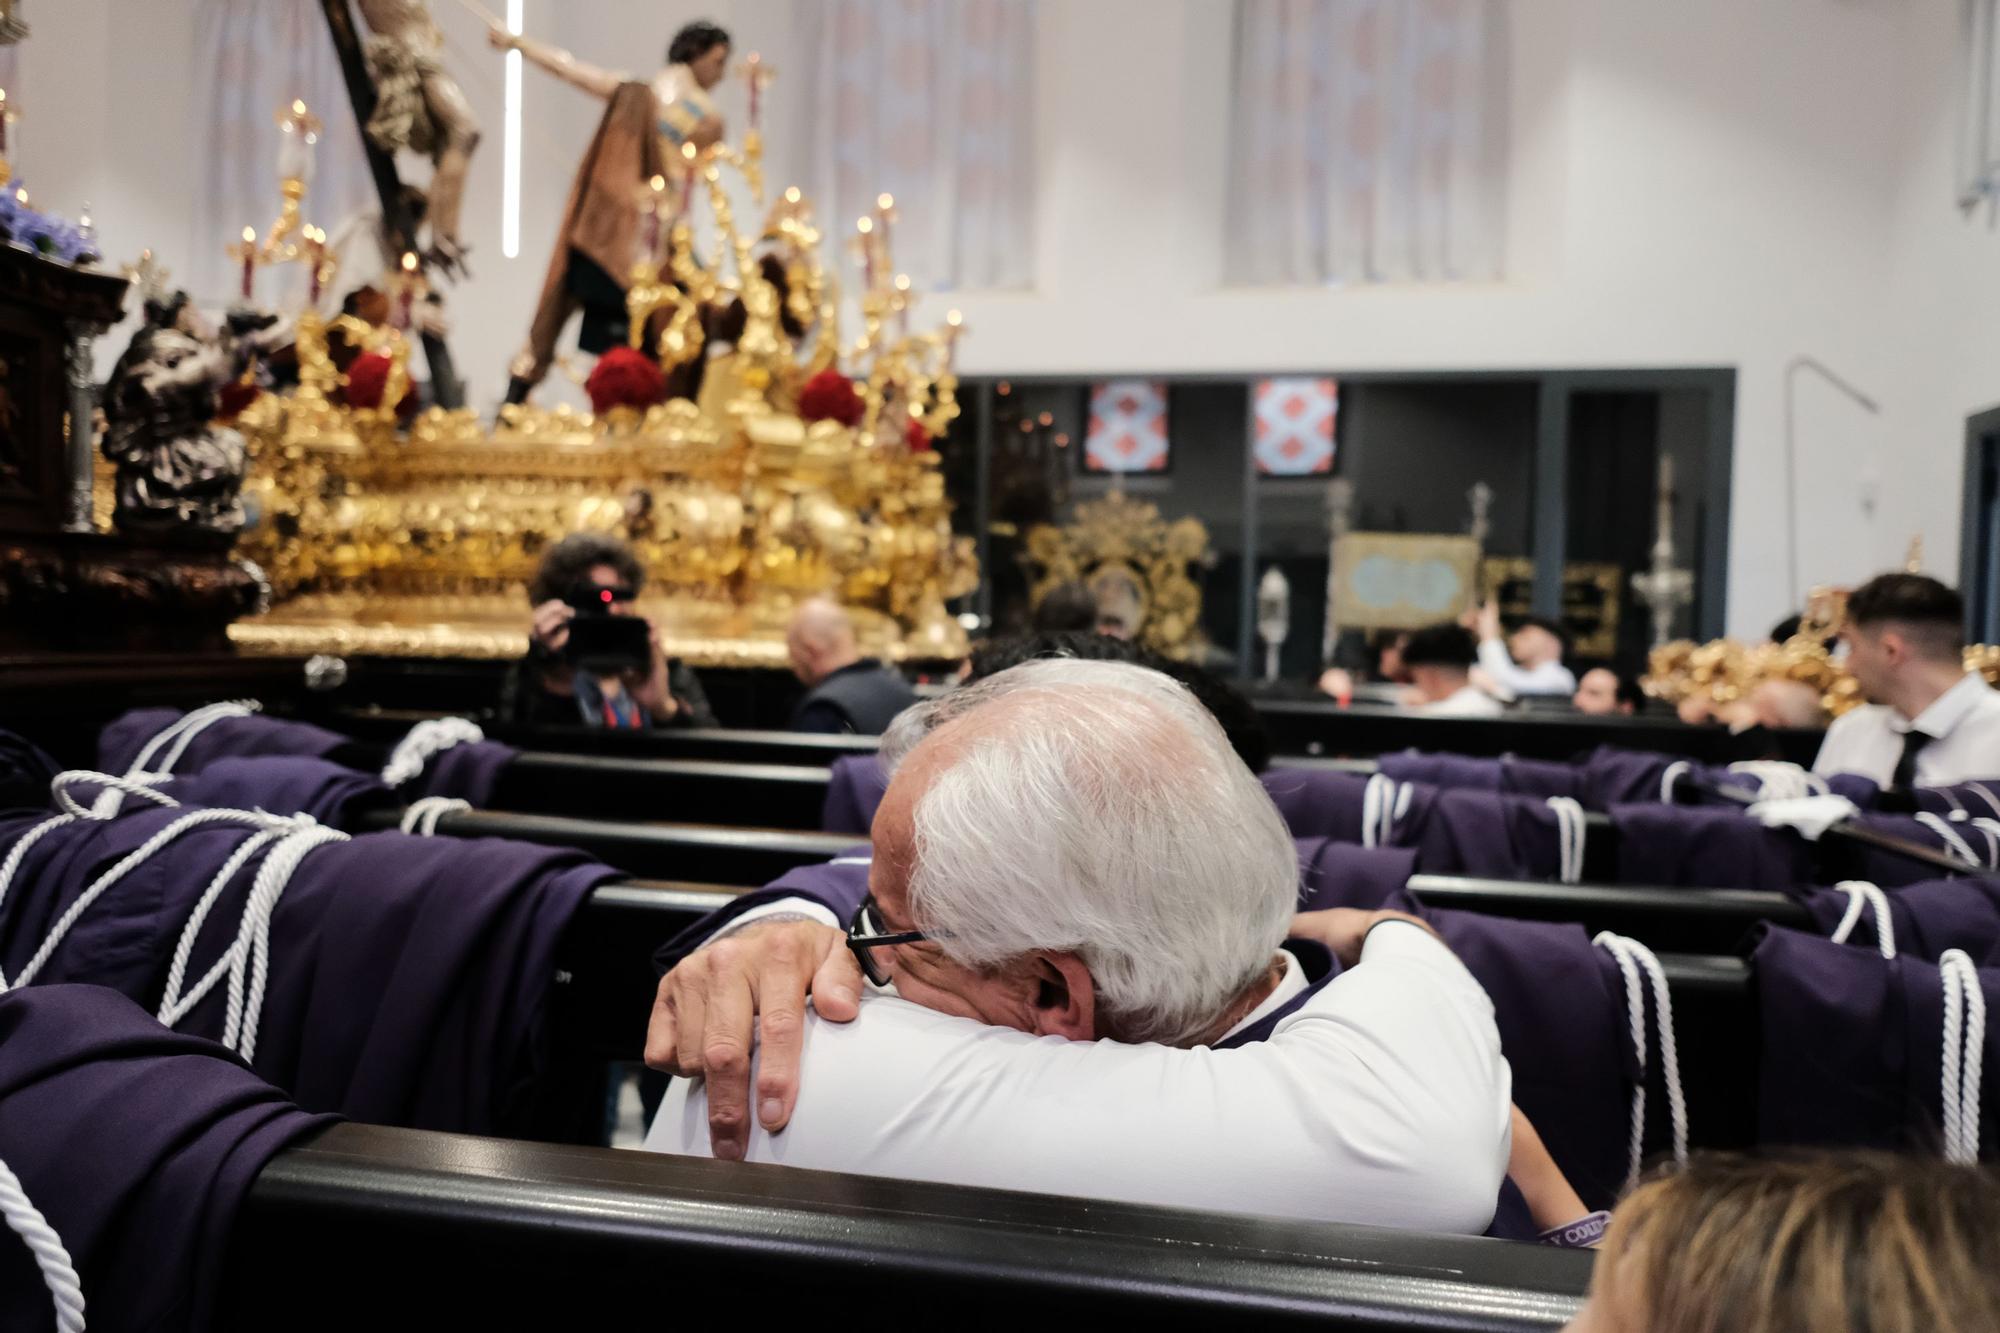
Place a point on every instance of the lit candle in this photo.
(3, 120)
(866, 226)
(409, 294)
(885, 213)
(690, 155)
(655, 195)
(751, 63)
(954, 324)
(315, 257)
(249, 260)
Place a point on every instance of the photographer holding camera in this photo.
(591, 659)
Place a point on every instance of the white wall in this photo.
(1707, 183)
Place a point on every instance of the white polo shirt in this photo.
(1466, 701)
(1517, 680)
(1382, 1099)
(1963, 722)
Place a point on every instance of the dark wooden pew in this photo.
(687, 791)
(1325, 728)
(366, 1227)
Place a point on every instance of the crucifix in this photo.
(1665, 589)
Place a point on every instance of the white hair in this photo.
(1097, 807)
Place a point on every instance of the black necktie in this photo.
(1906, 767)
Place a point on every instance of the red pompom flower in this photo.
(233, 397)
(831, 396)
(625, 377)
(917, 438)
(368, 380)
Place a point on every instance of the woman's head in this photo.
(1837, 1243)
(703, 48)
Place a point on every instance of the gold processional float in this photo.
(384, 538)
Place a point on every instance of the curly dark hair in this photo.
(694, 41)
(570, 560)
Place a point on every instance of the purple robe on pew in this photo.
(1929, 918)
(1346, 874)
(468, 771)
(1315, 803)
(1482, 833)
(125, 736)
(410, 978)
(855, 784)
(1711, 846)
(1853, 1049)
(1973, 800)
(138, 1145)
(328, 792)
(1520, 777)
(1892, 869)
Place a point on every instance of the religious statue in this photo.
(419, 106)
(179, 472)
(645, 128)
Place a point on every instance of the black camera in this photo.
(601, 641)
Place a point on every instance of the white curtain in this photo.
(1368, 141)
(1977, 169)
(931, 101)
(256, 56)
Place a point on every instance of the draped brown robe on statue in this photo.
(601, 219)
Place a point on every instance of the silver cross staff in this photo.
(1664, 589)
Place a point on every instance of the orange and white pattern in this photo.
(1128, 427)
(1295, 426)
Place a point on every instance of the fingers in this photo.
(836, 986)
(660, 1028)
(781, 1003)
(725, 1051)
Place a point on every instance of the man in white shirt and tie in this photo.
(1529, 661)
(1439, 659)
(1072, 922)
(1929, 722)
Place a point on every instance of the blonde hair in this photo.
(1852, 1242)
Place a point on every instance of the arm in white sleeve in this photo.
(792, 909)
(1383, 1099)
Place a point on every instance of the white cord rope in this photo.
(424, 812)
(1671, 778)
(1633, 959)
(183, 730)
(173, 1005)
(140, 784)
(1950, 838)
(253, 942)
(58, 1270)
(1571, 828)
(1384, 801)
(132, 861)
(1861, 894)
(425, 742)
(1964, 1055)
(1985, 794)
(1780, 781)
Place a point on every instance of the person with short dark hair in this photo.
(1929, 722)
(1439, 658)
(1606, 691)
(846, 693)
(549, 687)
(1529, 661)
(1065, 608)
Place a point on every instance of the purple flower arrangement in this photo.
(46, 234)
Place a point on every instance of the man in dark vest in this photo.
(845, 692)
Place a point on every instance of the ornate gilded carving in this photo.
(1135, 562)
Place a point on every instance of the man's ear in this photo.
(1064, 1002)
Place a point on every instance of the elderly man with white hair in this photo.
(1071, 925)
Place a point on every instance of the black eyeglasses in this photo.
(863, 938)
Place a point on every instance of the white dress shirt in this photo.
(1517, 680)
(1963, 724)
(1382, 1098)
(1467, 701)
